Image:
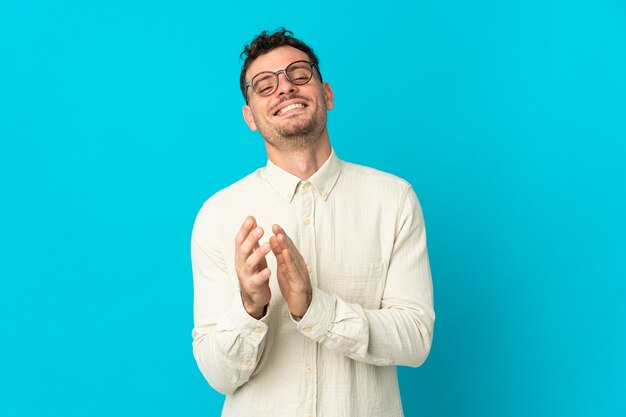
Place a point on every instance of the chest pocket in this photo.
(355, 283)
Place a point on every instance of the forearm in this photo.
(229, 351)
(395, 335)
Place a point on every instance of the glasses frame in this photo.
(276, 74)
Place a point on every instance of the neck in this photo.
(302, 163)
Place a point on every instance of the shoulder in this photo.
(374, 179)
(224, 205)
(241, 190)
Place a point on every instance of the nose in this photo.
(284, 85)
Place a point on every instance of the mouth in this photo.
(289, 109)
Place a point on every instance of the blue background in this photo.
(118, 119)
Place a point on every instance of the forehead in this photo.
(275, 60)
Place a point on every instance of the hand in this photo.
(252, 269)
(293, 275)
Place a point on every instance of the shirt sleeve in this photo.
(227, 341)
(400, 332)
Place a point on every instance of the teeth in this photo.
(290, 107)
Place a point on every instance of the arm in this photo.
(227, 340)
(400, 332)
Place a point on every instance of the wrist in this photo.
(254, 311)
(300, 310)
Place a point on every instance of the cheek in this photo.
(261, 112)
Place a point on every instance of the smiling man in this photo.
(311, 275)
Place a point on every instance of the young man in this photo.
(312, 320)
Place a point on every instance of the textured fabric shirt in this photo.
(361, 233)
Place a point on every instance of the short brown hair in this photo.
(263, 43)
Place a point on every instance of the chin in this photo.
(301, 129)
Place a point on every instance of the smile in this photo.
(289, 108)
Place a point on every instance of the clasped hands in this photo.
(253, 273)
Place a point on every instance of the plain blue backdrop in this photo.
(119, 118)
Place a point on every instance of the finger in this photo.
(278, 244)
(251, 242)
(277, 229)
(284, 243)
(255, 290)
(280, 238)
(262, 277)
(251, 291)
(244, 230)
(275, 245)
(278, 252)
(258, 258)
(280, 231)
(292, 269)
(295, 255)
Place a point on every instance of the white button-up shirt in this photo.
(361, 233)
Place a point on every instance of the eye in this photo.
(264, 84)
(300, 73)
(300, 77)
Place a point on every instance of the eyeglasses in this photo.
(266, 82)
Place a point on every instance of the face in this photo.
(293, 116)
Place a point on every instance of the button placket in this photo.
(308, 252)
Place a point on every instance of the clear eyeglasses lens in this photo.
(299, 73)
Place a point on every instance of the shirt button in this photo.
(309, 268)
(309, 369)
(306, 186)
(248, 363)
(307, 220)
(307, 330)
(258, 330)
(324, 194)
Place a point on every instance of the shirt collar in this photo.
(323, 180)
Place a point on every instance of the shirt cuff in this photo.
(247, 325)
(318, 319)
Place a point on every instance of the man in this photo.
(312, 320)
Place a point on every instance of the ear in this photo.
(329, 96)
(247, 116)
